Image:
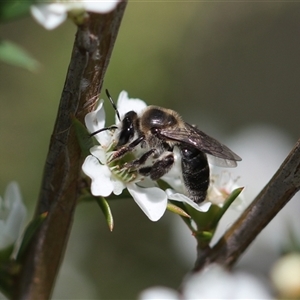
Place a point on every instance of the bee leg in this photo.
(138, 162)
(123, 150)
(159, 168)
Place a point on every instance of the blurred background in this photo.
(231, 68)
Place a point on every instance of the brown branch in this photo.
(281, 188)
(60, 186)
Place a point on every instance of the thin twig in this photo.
(281, 188)
(91, 53)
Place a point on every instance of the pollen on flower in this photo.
(221, 186)
(118, 166)
(123, 174)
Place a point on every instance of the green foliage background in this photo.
(228, 64)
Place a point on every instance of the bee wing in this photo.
(221, 154)
(221, 162)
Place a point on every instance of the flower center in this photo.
(118, 166)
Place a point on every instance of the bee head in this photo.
(128, 128)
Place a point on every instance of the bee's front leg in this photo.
(125, 149)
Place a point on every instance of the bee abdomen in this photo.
(195, 172)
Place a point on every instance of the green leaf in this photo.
(14, 55)
(8, 273)
(207, 222)
(177, 210)
(84, 139)
(226, 205)
(6, 253)
(31, 229)
(203, 220)
(107, 212)
(11, 9)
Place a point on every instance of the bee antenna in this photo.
(113, 104)
(103, 129)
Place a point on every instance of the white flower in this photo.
(221, 186)
(51, 15)
(110, 178)
(178, 190)
(12, 215)
(173, 195)
(213, 283)
(126, 104)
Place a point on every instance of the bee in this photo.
(159, 131)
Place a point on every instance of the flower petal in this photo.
(159, 292)
(100, 153)
(146, 182)
(174, 176)
(105, 138)
(49, 15)
(95, 120)
(221, 186)
(15, 215)
(126, 104)
(152, 201)
(215, 196)
(119, 186)
(215, 282)
(203, 207)
(100, 176)
(100, 6)
(53, 14)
